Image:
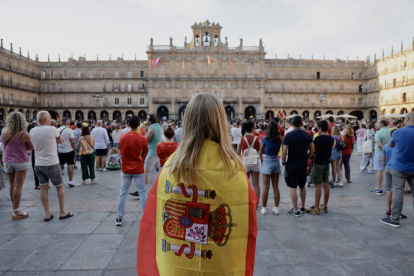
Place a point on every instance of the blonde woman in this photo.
(116, 135)
(206, 175)
(336, 156)
(16, 142)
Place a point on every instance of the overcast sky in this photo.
(333, 27)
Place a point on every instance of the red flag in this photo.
(208, 59)
(230, 62)
(183, 64)
(156, 61)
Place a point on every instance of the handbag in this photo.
(367, 146)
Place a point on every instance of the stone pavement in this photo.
(349, 240)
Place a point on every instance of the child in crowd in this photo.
(114, 160)
(167, 147)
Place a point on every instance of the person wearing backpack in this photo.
(347, 152)
(336, 156)
(248, 149)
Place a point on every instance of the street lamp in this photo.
(321, 98)
(97, 98)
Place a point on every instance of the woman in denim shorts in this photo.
(336, 156)
(271, 166)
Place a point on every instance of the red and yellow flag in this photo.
(205, 228)
(208, 59)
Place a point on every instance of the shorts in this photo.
(320, 174)
(77, 152)
(387, 180)
(101, 152)
(296, 176)
(336, 154)
(378, 161)
(14, 167)
(254, 168)
(271, 165)
(67, 157)
(151, 162)
(54, 173)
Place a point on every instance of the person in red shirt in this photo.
(165, 149)
(309, 130)
(134, 150)
(346, 153)
(281, 129)
(262, 132)
(330, 124)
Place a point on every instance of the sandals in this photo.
(51, 217)
(69, 215)
(16, 217)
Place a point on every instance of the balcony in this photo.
(321, 90)
(161, 100)
(17, 70)
(19, 103)
(397, 84)
(230, 100)
(183, 100)
(253, 100)
(18, 85)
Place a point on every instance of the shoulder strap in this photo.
(9, 140)
(62, 130)
(254, 140)
(88, 142)
(21, 135)
(247, 142)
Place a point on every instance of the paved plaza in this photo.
(349, 240)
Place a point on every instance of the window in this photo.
(269, 74)
(269, 87)
(129, 87)
(65, 74)
(11, 98)
(404, 97)
(142, 74)
(375, 86)
(318, 75)
(361, 75)
(282, 74)
(11, 81)
(51, 74)
(1, 97)
(360, 88)
(53, 87)
(283, 87)
(341, 100)
(142, 86)
(341, 87)
(43, 74)
(342, 75)
(294, 87)
(306, 75)
(318, 87)
(269, 100)
(1, 79)
(141, 101)
(129, 74)
(330, 75)
(405, 64)
(394, 82)
(116, 74)
(352, 100)
(116, 86)
(353, 76)
(385, 84)
(294, 74)
(282, 100)
(404, 80)
(129, 100)
(359, 101)
(116, 100)
(78, 74)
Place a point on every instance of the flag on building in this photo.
(208, 227)
(282, 114)
(208, 59)
(252, 64)
(230, 63)
(156, 61)
(183, 64)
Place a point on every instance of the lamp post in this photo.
(97, 98)
(321, 98)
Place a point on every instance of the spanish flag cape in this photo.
(207, 227)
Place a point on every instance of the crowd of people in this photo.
(318, 149)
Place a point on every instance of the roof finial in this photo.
(20, 51)
(109, 56)
(401, 47)
(346, 59)
(1, 46)
(323, 58)
(382, 53)
(97, 58)
(412, 44)
(135, 56)
(28, 56)
(48, 58)
(375, 57)
(59, 57)
(37, 58)
(11, 47)
(122, 56)
(356, 61)
(392, 50)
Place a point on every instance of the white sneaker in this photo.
(74, 184)
(275, 210)
(104, 170)
(340, 184)
(263, 211)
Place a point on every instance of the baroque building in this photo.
(246, 81)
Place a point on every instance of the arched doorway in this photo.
(91, 115)
(162, 113)
(403, 111)
(316, 114)
(143, 115)
(67, 113)
(104, 115)
(129, 113)
(358, 114)
(34, 114)
(21, 111)
(116, 116)
(27, 115)
(305, 115)
(341, 112)
(282, 113)
(250, 111)
(2, 114)
(230, 112)
(10, 111)
(53, 114)
(329, 112)
(372, 115)
(392, 111)
(384, 112)
(270, 115)
(181, 112)
(293, 112)
(79, 115)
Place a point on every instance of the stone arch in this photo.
(27, 115)
(384, 112)
(403, 111)
(340, 112)
(357, 113)
(392, 111)
(67, 113)
(2, 114)
(104, 115)
(117, 116)
(270, 115)
(316, 114)
(129, 113)
(230, 112)
(53, 114)
(372, 115)
(162, 112)
(79, 115)
(91, 115)
(34, 114)
(250, 111)
(293, 112)
(11, 110)
(305, 115)
(329, 112)
(181, 112)
(142, 114)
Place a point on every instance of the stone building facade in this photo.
(247, 83)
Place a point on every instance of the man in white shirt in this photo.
(67, 150)
(237, 134)
(45, 139)
(101, 145)
(127, 128)
(178, 132)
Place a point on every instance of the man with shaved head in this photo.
(101, 145)
(402, 168)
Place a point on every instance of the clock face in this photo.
(206, 48)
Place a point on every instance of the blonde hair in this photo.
(114, 151)
(336, 131)
(349, 132)
(204, 118)
(15, 122)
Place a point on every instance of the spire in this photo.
(375, 57)
(11, 47)
(20, 51)
(84, 57)
(48, 58)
